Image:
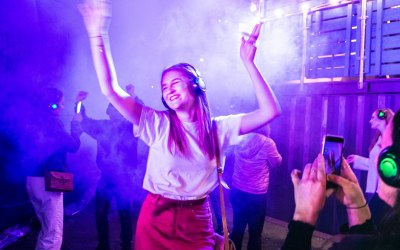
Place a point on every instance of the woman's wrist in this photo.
(97, 34)
(358, 216)
(309, 217)
(358, 205)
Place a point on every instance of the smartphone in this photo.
(78, 107)
(332, 150)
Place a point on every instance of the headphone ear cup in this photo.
(199, 84)
(53, 106)
(388, 166)
(381, 115)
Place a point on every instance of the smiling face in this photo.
(176, 90)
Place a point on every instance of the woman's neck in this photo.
(187, 116)
(387, 193)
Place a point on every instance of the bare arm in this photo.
(96, 15)
(269, 107)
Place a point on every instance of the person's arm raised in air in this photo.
(97, 16)
(268, 106)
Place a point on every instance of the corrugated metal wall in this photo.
(309, 114)
(333, 37)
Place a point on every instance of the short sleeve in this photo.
(152, 125)
(228, 130)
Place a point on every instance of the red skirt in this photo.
(174, 225)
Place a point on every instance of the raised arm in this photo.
(268, 106)
(97, 16)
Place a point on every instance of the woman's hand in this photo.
(96, 16)
(77, 117)
(309, 191)
(349, 193)
(351, 158)
(81, 96)
(130, 88)
(248, 48)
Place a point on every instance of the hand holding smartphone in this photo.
(332, 150)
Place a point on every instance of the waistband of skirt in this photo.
(161, 200)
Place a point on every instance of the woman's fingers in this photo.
(339, 180)
(350, 158)
(319, 163)
(254, 34)
(295, 175)
(306, 171)
(347, 172)
(329, 192)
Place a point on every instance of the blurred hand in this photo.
(349, 192)
(309, 191)
(248, 48)
(81, 96)
(130, 88)
(96, 16)
(77, 117)
(351, 158)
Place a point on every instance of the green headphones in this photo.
(389, 166)
(381, 114)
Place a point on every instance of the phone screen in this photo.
(332, 151)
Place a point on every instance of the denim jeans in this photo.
(49, 208)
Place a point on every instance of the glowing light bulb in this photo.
(304, 7)
(278, 13)
(253, 7)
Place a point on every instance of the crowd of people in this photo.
(184, 141)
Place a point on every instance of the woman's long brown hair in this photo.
(389, 114)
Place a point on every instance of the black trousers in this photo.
(248, 210)
(122, 193)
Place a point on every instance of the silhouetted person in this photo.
(49, 146)
(117, 160)
(255, 156)
(380, 119)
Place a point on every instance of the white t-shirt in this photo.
(369, 164)
(174, 176)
